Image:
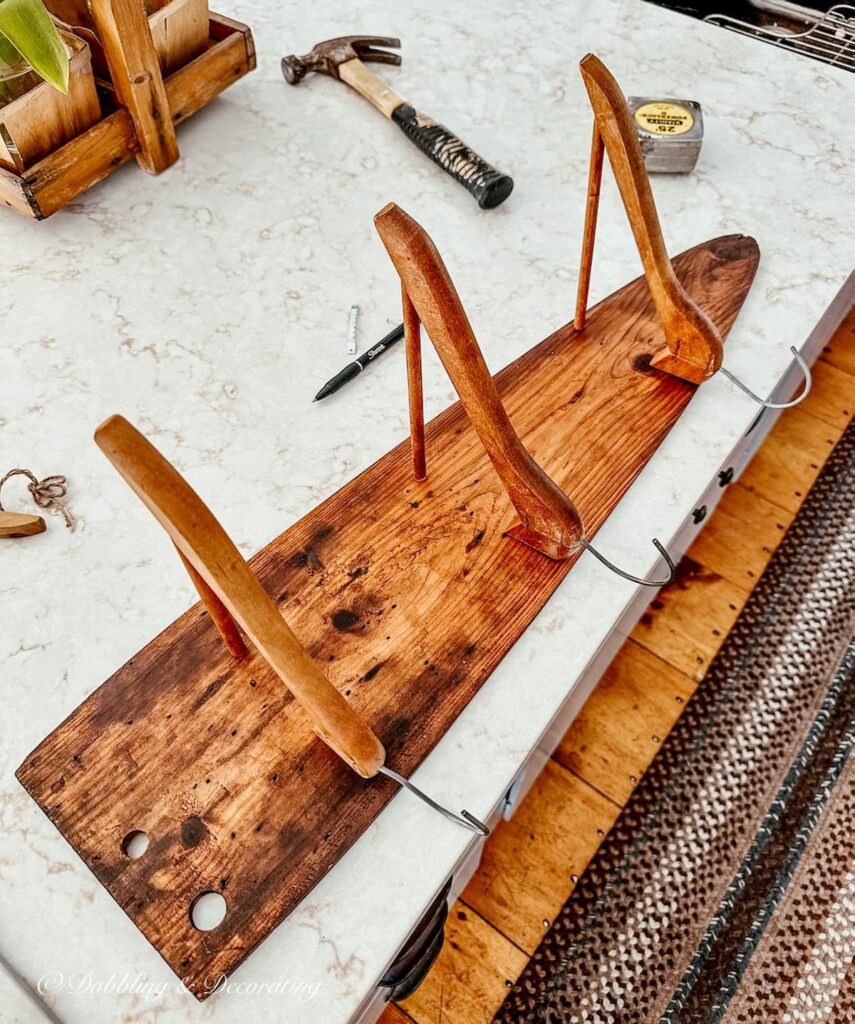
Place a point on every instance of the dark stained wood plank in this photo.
(622, 725)
(408, 593)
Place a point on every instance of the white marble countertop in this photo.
(208, 304)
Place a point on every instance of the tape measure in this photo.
(670, 132)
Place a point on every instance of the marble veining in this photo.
(208, 304)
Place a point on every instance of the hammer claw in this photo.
(368, 53)
(368, 41)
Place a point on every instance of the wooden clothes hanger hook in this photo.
(213, 557)
(693, 345)
(550, 521)
(220, 572)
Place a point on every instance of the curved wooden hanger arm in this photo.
(550, 521)
(694, 347)
(226, 625)
(211, 554)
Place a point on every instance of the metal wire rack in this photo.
(830, 38)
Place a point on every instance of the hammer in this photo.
(345, 58)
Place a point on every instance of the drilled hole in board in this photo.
(207, 911)
(135, 844)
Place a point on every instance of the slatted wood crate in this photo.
(142, 103)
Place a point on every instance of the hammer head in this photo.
(325, 58)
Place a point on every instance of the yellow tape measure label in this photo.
(664, 118)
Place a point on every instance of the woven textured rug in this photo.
(726, 890)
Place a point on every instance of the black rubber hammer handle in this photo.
(487, 185)
(345, 58)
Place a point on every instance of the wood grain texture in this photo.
(43, 119)
(832, 396)
(840, 351)
(65, 173)
(408, 593)
(550, 522)
(622, 725)
(179, 31)
(529, 862)
(367, 84)
(741, 536)
(123, 29)
(20, 524)
(17, 195)
(415, 392)
(179, 28)
(686, 623)
(790, 458)
(226, 625)
(693, 347)
(212, 554)
(471, 976)
(592, 206)
(81, 163)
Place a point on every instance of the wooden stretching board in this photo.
(409, 595)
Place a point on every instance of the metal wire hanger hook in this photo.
(464, 819)
(808, 381)
(672, 569)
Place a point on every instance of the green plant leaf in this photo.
(28, 26)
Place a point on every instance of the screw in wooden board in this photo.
(725, 476)
(699, 514)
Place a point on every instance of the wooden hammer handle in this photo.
(209, 550)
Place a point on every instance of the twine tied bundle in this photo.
(45, 493)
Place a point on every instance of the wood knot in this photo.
(192, 831)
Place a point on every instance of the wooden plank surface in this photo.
(832, 396)
(741, 537)
(472, 974)
(529, 861)
(840, 351)
(686, 623)
(179, 31)
(611, 741)
(790, 458)
(623, 723)
(408, 593)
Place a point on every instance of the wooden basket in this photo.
(43, 118)
(140, 115)
(179, 29)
